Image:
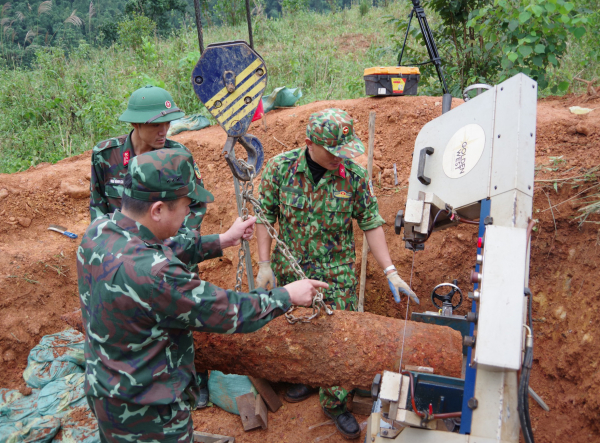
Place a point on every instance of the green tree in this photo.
(231, 12)
(156, 10)
(529, 35)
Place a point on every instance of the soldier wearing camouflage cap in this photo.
(314, 193)
(140, 303)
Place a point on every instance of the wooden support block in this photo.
(203, 437)
(261, 411)
(362, 405)
(267, 393)
(253, 411)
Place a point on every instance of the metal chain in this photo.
(242, 251)
(247, 196)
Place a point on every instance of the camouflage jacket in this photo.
(139, 304)
(110, 159)
(315, 222)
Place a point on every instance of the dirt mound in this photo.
(38, 281)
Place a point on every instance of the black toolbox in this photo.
(392, 80)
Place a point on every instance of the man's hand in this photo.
(303, 291)
(398, 285)
(239, 230)
(265, 275)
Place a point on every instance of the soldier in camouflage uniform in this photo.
(150, 111)
(315, 193)
(140, 302)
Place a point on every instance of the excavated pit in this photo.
(38, 281)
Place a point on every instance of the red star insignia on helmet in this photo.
(168, 104)
(345, 130)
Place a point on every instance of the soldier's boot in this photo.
(344, 422)
(297, 393)
(202, 398)
(202, 401)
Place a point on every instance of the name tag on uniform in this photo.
(115, 181)
(342, 194)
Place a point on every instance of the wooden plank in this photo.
(203, 437)
(362, 405)
(267, 393)
(247, 407)
(260, 410)
(365, 246)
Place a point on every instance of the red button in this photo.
(480, 242)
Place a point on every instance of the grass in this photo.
(64, 105)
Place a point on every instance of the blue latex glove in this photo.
(397, 286)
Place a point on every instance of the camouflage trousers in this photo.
(121, 422)
(341, 295)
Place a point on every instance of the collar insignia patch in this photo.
(126, 157)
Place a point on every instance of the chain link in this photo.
(247, 196)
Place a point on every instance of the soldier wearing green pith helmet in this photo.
(314, 193)
(150, 111)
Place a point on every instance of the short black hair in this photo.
(135, 206)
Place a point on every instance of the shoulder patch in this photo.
(110, 143)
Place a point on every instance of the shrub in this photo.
(133, 29)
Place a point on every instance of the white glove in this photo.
(398, 285)
(265, 275)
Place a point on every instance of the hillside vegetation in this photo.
(69, 97)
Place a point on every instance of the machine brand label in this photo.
(463, 151)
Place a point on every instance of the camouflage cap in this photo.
(163, 175)
(334, 130)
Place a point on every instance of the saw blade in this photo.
(407, 306)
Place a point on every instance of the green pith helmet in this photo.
(151, 104)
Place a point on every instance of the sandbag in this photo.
(224, 388)
(192, 122)
(8, 396)
(20, 409)
(281, 97)
(57, 397)
(56, 356)
(38, 430)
